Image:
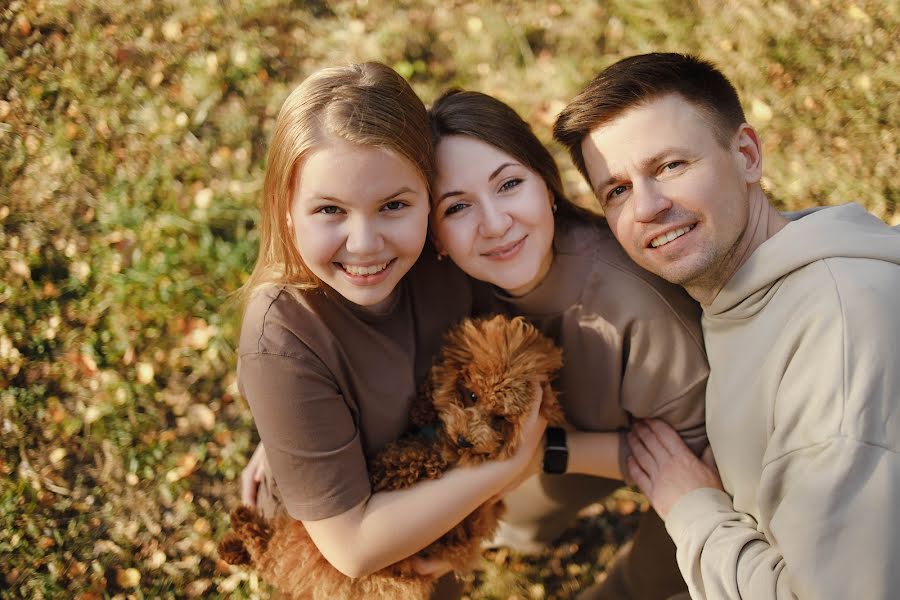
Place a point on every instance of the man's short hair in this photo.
(639, 79)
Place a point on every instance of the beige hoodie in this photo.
(803, 416)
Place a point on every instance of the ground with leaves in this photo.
(132, 148)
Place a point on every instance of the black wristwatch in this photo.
(556, 453)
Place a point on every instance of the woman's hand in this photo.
(530, 451)
(252, 475)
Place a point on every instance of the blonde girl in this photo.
(345, 311)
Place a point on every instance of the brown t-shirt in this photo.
(329, 383)
(632, 342)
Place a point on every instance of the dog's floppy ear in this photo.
(422, 413)
(534, 352)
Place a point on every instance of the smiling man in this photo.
(800, 319)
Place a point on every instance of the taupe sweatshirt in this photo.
(803, 416)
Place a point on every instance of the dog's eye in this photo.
(466, 396)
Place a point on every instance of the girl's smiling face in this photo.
(360, 218)
(492, 215)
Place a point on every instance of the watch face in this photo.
(555, 460)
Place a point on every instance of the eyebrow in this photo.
(644, 165)
(492, 176)
(403, 190)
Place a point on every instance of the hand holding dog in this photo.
(664, 467)
(531, 444)
(252, 475)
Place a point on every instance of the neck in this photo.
(763, 221)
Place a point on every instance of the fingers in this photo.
(538, 393)
(249, 487)
(650, 441)
(667, 436)
(638, 475)
(252, 476)
(641, 455)
(430, 567)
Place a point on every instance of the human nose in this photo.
(649, 201)
(494, 220)
(363, 237)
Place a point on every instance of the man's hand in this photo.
(664, 467)
(252, 475)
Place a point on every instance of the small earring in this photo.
(440, 256)
(553, 207)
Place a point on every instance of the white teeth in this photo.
(668, 237)
(372, 270)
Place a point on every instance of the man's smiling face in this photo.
(675, 198)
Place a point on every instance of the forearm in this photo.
(721, 552)
(801, 546)
(595, 453)
(391, 526)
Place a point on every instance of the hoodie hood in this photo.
(847, 231)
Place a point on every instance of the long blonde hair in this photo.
(367, 104)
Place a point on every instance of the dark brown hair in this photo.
(459, 112)
(639, 79)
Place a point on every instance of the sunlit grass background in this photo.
(132, 147)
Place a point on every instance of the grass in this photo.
(132, 146)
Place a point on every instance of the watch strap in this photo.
(556, 452)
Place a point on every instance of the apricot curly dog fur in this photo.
(478, 391)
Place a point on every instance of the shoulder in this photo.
(278, 318)
(617, 284)
(848, 337)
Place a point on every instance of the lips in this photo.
(662, 240)
(506, 250)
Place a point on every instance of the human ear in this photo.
(749, 153)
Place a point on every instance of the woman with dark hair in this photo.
(632, 342)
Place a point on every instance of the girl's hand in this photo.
(430, 567)
(252, 475)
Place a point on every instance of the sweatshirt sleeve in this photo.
(665, 370)
(832, 534)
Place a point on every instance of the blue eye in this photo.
(673, 165)
(329, 210)
(508, 185)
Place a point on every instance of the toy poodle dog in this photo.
(478, 390)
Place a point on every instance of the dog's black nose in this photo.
(462, 442)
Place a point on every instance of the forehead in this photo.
(463, 158)
(343, 170)
(646, 129)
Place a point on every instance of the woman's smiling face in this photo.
(492, 215)
(360, 219)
